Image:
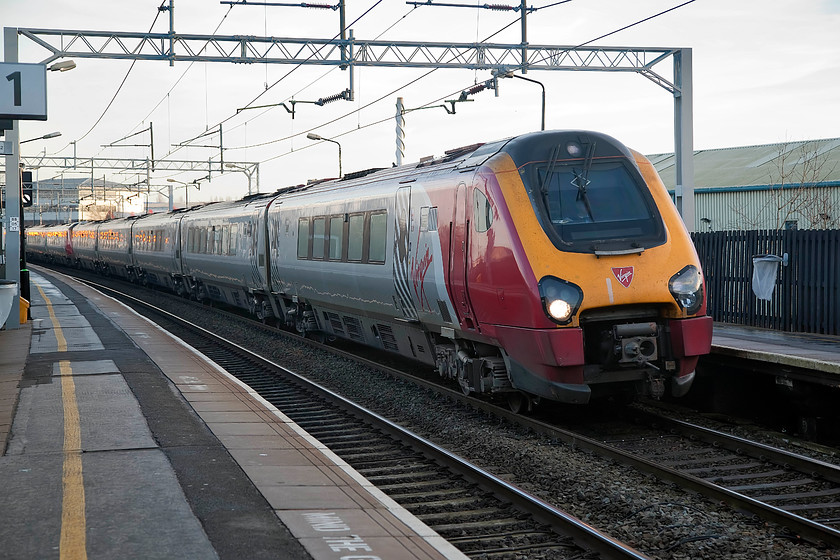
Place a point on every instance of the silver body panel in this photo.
(156, 248)
(395, 304)
(114, 246)
(84, 244)
(223, 248)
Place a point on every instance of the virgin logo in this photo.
(624, 275)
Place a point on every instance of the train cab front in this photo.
(625, 351)
(620, 291)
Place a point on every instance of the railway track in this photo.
(795, 492)
(784, 481)
(481, 514)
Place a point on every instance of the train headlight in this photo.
(560, 299)
(687, 288)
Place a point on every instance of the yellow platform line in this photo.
(73, 544)
(59, 335)
(73, 522)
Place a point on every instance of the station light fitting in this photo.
(44, 137)
(62, 66)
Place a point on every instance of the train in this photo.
(548, 266)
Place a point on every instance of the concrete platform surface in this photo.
(820, 353)
(125, 442)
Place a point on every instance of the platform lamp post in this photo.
(510, 74)
(248, 173)
(195, 183)
(313, 136)
(186, 193)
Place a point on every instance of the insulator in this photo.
(343, 95)
(500, 7)
(317, 6)
(400, 130)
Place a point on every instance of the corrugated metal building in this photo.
(794, 185)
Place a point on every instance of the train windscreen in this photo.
(589, 197)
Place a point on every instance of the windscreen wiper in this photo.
(552, 160)
(581, 180)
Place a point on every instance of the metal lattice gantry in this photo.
(243, 49)
(352, 52)
(134, 165)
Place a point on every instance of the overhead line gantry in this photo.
(353, 52)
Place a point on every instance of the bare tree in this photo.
(795, 195)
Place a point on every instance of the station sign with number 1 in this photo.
(23, 91)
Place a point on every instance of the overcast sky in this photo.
(765, 71)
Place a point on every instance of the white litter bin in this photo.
(8, 293)
(765, 270)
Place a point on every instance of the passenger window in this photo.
(336, 237)
(376, 242)
(303, 238)
(226, 240)
(319, 226)
(202, 239)
(433, 218)
(218, 235)
(428, 218)
(356, 237)
(483, 216)
(234, 237)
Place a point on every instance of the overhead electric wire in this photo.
(605, 35)
(316, 80)
(183, 74)
(297, 66)
(415, 81)
(368, 125)
(439, 99)
(375, 100)
(116, 93)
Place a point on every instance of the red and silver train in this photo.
(551, 265)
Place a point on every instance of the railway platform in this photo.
(808, 357)
(118, 440)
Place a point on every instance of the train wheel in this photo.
(465, 386)
(519, 403)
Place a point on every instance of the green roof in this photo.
(812, 161)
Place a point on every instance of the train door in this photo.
(262, 239)
(402, 255)
(179, 243)
(257, 230)
(458, 254)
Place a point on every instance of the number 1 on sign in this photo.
(15, 77)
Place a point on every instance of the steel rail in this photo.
(755, 449)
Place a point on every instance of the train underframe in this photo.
(619, 356)
(571, 365)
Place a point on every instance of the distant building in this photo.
(71, 199)
(794, 185)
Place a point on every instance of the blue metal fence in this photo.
(806, 297)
